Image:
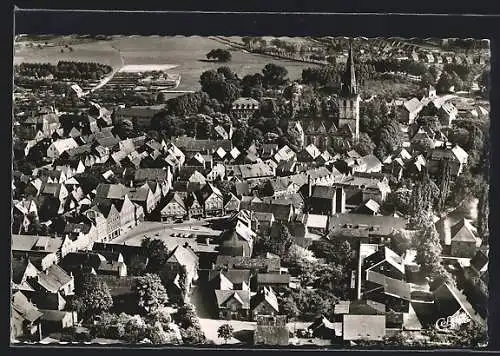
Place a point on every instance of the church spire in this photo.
(349, 87)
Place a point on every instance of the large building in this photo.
(347, 124)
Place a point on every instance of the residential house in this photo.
(144, 197)
(464, 242)
(182, 258)
(193, 206)
(237, 241)
(175, 207)
(25, 319)
(326, 200)
(244, 107)
(43, 251)
(212, 200)
(229, 279)
(316, 223)
(455, 157)
(385, 262)
(106, 218)
(273, 280)
(264, 302)
(262, 222)
(232, 204)
(393, 293)
(54, 321)
(59, 146)
(447, 113)
(409, 111)
(51, 287)
(233, 304)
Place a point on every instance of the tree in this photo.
(150, 292)
(428, 250)
(220, 55)
(157, 253)
(92, 296)
(225, 331)
(227, 73)
(278, 243)
(445, 184)
(274, 75)
(124, 129)
(364, 146)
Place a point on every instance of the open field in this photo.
(186, 53)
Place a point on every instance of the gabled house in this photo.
(237, 241)
(409, 111)
(51, 287)
(144, 197)
(175, 207)
(264, 302)
(232, 204)
(212, 200)
(25, 319)
(386, 262)
(233, 304)
(193, 205)
(230, 279)
(182, 258)
(59, 146)
(464, 242)
(456, 158)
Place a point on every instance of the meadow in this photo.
(186, 53)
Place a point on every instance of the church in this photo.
(320, 133)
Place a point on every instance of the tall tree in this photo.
(445, 183)
(150, 292)
(92, 296)
(157, 253)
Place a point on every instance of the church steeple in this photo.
(349, 87)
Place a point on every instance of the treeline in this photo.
(64, 70)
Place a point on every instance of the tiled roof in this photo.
(242, 296)
(273, 278)
(26, 309)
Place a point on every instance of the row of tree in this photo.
(64, 70)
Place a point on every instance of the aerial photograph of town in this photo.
(246, 192)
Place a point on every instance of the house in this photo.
(45, 250)
(182, 258)
(363, 327)
(316, 223)
(271, 330)
(274, 280)
(250, 171)
(58, 147)
(159, 175)
(211, 199)
(233, 304)
(175, 208)
(263, 222)
(53, 321)
(55, 190)
(25, 321)
(456, 158)
(371, 207)
(107, 220)
(409, 111)
(393, 293)
(232, 204)
(286, 154)
(244, 107)
(144, 197)
(463, 239)
(230, 279)
(56, 280)
(452, 303)
(309, 154)
(447, 113)
(264, 302)
(326, 200)
(237, 241)
(386, 262)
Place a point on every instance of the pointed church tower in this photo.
(349, 98)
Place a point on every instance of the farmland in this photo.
(187, 54)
